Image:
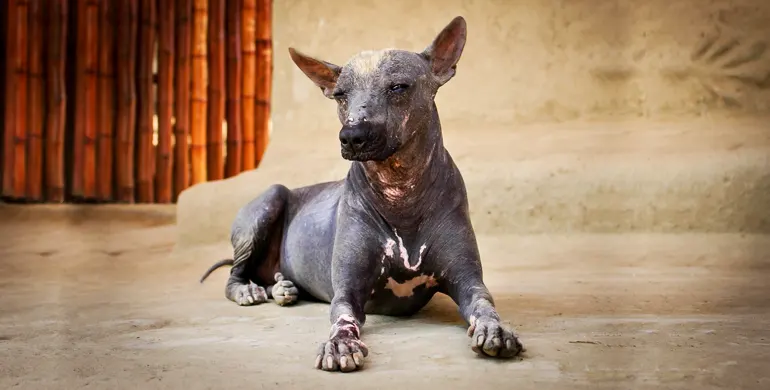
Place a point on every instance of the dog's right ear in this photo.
(322, 73)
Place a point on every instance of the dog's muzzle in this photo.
(361, 141)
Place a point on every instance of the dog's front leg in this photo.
(462, 281)
(353, 276)
(344, 351)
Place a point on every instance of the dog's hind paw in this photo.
(284, 292)
(249, 294)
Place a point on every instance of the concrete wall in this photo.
(573, 115)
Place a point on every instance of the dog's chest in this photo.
(402, 269)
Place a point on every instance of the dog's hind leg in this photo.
(256, 230)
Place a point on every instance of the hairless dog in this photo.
(391, 234)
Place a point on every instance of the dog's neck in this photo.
(409, 177)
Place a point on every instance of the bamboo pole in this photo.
(182, 96)
(56, 92)
(14, 153)
(86, 87)
(22, 85)
(216, 90)
(90, 104)
(163, 178)
(107, 104)
(36, 117)
(5, 11)
(234, 128)
(126, 65)
(145, 156)
(264, 50)
(198, 94)
(249, 83)
(78, 132)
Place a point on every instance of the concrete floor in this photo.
(93, 298)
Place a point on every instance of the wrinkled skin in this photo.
(390, 235)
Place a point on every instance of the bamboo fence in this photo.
(131, 101)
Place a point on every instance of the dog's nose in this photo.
(353, 137)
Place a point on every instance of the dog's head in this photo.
(382, 96)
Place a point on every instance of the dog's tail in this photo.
(216, 265)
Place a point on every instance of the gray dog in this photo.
(390, 235)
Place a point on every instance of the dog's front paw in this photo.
(341, 353)
(491, 338)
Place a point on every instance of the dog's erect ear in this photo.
(445, 51)
(323, 74)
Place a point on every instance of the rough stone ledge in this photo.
(611, 177)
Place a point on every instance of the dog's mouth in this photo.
(379, 152)
(365, 155)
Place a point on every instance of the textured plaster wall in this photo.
(564, 116)
(529, 60)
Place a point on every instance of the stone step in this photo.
(672, 177)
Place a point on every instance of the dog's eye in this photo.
(339, 95)
(399, 87)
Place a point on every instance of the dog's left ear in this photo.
(446, 49)
(323, 74)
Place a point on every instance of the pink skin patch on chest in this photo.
(405, 255)
(406, 289)
(389, 249)
(389, 245)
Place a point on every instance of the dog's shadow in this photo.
(440, 311)
(439, 314)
